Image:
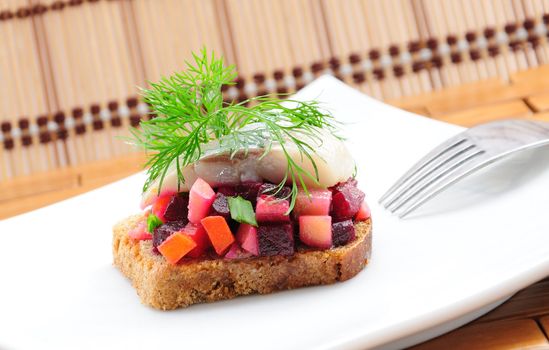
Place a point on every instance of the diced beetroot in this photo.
(269, 209)
(343, 232)
(235, 252)
(229, 191)
(201, 198)
(171, 207)
(351, 182)
(364, 213)
(346, 202)
(247, 237)
(272, 190)
(316, 231)
(220, 206)
(164, 231)
(249, 191)
(139, 232)
(316, 203)
(199, 236)
(275, 240)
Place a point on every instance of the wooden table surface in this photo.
(520, 323)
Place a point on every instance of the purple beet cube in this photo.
(177, 208)
(351, 182)
(275, 240)
(229, 191)
(249, 190)
(343, 232)
(273, 190)
(346, 203)
(165, 230)
(220, 206)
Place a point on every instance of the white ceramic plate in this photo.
(472, 247)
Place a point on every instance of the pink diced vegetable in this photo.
(364, 213)
(270, 209)
(201, 198)
(247, 237)
(316, 230)
(140, 231)
(198, 234)
(316, 203)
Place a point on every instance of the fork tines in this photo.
(430, 175)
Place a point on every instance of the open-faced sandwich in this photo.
(241, 198)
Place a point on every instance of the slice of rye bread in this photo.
(165, 286)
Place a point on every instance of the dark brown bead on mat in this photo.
(510, 28)
(26, 140)
(451, 40)
(317, 67)
(436, 61)
(97, 125)
(354, 58)
(398, 70)
(77, 113)
(418, 66)
(39, 9)
(414, 46)
(259, 78)
(471, 36)
(379, 74)
(57, 6)
(62, 133)
(9, 144)
(394, 50)
(23, 12)
(546, 18)
(335, 63)
(80, 129)
(489, 32)
(42, 120)
(113, 106)
(475, 55)
(374, 54)
(45, 137)
(5, 126)
(297, 72)
(24, 123)
(278, 74)
(135, 120)
(358, 77)
(432, 43)
(493, 50)
(59, 117)
(131, 102)
(455, 57)
(6, 15)
(116, 122)
(528, 24)
(95, 109)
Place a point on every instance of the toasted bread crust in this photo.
(164, 286)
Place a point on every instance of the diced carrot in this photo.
(219, 233)
(176, 246)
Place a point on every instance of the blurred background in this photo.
(69, 69)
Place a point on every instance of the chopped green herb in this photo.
(153, 222)
(242, 210)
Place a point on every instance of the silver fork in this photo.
(459, 157)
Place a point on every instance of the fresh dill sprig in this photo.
(191, 113)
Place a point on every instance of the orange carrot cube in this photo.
(176, 246)
(219, 233)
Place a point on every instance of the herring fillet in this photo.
(332, 158)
